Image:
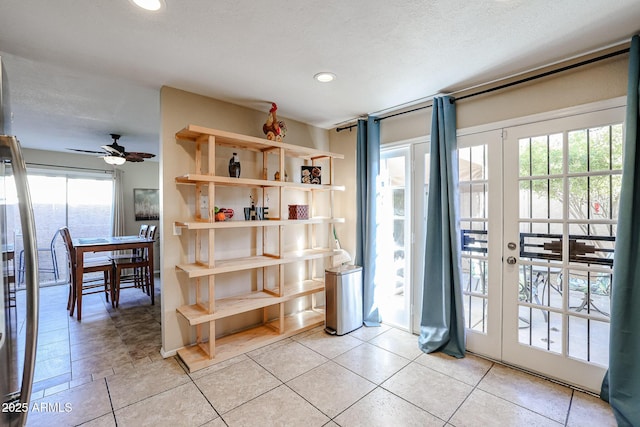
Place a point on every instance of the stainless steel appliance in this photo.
(18, 325)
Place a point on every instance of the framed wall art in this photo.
(146, 204)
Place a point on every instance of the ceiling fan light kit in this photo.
(150, 5)
(114, 160)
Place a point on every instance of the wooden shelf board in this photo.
(193, 132)
(193, 178)
(197, 314)
(205, 225)
(258, 261)
(251, 339)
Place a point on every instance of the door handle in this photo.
(512, 260)
(10, 149)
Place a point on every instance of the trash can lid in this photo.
(343, 269)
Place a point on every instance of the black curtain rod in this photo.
(506, 85)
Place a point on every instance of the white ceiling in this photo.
(78, 70)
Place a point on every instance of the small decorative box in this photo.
(298, 211)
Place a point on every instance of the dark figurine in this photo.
(234, 166)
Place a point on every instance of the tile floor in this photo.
(107, 371)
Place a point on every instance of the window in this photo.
(82, 202)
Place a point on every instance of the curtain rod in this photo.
(503, 86)
(69, 167)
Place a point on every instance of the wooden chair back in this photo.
(143, 230)
(151, 232)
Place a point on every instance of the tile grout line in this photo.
(475, 387)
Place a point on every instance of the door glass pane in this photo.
(82, 204)
(90, 207)
(473, 197)
(48, 197)
(393, 246)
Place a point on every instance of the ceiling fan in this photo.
(115, 154)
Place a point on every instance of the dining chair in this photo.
(139, 262)
(90, 286)
(127, 254)
(54, 260)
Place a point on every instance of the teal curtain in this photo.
(621, 385)
(367, 170)
(442, 323)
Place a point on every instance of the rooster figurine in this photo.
(274, 129)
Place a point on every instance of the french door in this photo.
(539, 206)
(561, 195)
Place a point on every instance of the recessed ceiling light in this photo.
(325, 77)
(152, 5)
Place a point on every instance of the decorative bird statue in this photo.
(274, 129)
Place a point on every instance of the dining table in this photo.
(84, 245)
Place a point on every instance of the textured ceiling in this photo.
(79, 70)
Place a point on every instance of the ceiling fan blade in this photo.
(86, 151)
(142, 155)
(113, 150)
(133, 157)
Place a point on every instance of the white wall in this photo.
(599, 81)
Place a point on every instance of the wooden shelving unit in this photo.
(271, 258)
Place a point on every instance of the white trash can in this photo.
(343, 290)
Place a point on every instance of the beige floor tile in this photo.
(288, 361)
(99, 362)
(399, 342)
(331, 388)
(470, 369)
(434, 392)
(383, 409)
(180, 406)
(51, 350)
(484, 409)
(279, 407)
(103, 421)
(371, 362)
(588, 410)
(366, 333)
(56, 389)
(52, 322)
(236, 384)
(271, 347)
(95, 346)
(539, 395)
(71, 407)
(50, 368)
(54, 336)
(218, 366)
(90, 334)
(218, 422)
(328, 345)
(145, 381)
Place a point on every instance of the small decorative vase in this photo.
(234, 166)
